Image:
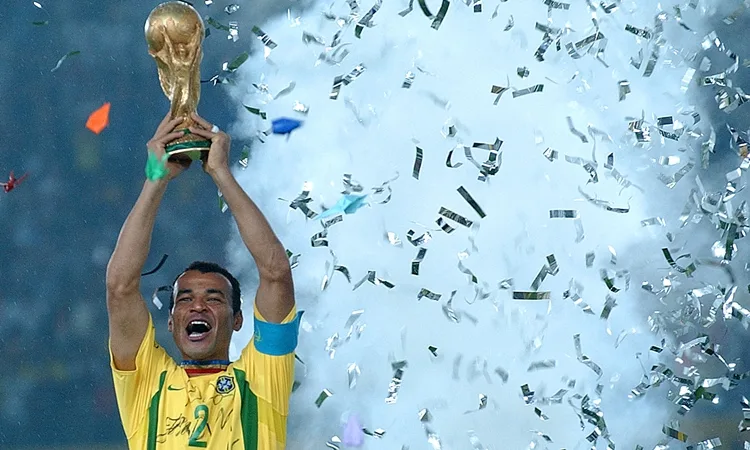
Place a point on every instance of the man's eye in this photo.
(183, 299)
(215, 299)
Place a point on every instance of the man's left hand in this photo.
(218, 154)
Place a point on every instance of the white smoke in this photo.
(371, 131)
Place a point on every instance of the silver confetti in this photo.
(583, 358)
(429, 294)
(353, 372)
(417, 163)
(408, 80)
(231, 8)
(531, 295)
(395, 384)
(465, 194)
(366, 20)
(623, 89)
(417, 261)
(447, 213)
(538, 365)
(577, 133)
(499, 91)
(528, 90)
(267, 42)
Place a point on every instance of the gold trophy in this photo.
(174, 32)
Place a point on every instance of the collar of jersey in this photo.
(210, 362)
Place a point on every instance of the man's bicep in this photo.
(128, 323)
(275, 297)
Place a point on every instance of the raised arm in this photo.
(275, 296)
(128, 314)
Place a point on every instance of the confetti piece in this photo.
(640, 32)
(557, 5)
(395, 383)
(322, 397)
(223, 207)
(64, 57)
(577, 133)
(429, 294)
(583, 358)
(366, 20)
(285, 125)
(267, 42)
(408, 80)
(447, 213)
(688, 271)
(437, 19)
(671, 432)
(623, 89)
(465, 194)
(532, 295)
(236, 62)
(373, 278)
(348, 204)
(528, 90)
(13, 182)
(156, 168)
(158, 266)
(538, 365)
(231, 8)
(417, 163)
(499, 91)
(256, 111)
(417, 261)
(540, 414)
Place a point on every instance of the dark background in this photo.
(60, 226)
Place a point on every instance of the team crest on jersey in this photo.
(224, 384)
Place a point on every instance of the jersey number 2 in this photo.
(194, 442)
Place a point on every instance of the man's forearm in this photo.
(256, 233)
(125, 265)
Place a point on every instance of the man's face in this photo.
(202, 320)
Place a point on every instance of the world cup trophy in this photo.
(174, 32)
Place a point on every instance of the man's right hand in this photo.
(165, 134)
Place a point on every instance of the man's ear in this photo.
(238, 320)
(169, 323)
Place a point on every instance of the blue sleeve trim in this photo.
(276, 339)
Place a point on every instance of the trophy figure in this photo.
(174, 32)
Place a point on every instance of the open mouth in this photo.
(197, 329)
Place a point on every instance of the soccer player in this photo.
(204, 401)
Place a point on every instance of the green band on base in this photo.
(188, 145)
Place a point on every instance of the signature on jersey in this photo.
(182, 426)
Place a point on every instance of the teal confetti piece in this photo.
(238, 61)
(65, 56)
(256, 111)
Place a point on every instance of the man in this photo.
(205, 401)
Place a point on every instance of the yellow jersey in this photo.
(244, 407)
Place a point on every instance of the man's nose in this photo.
(198, 304)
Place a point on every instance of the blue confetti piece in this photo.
(348, 204)
(284, 125)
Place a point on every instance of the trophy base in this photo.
(192, 150)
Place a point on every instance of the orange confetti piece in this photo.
(99, 119)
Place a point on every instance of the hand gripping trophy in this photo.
(174, 32)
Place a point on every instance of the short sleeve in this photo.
(134, 388)
(269, 360)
